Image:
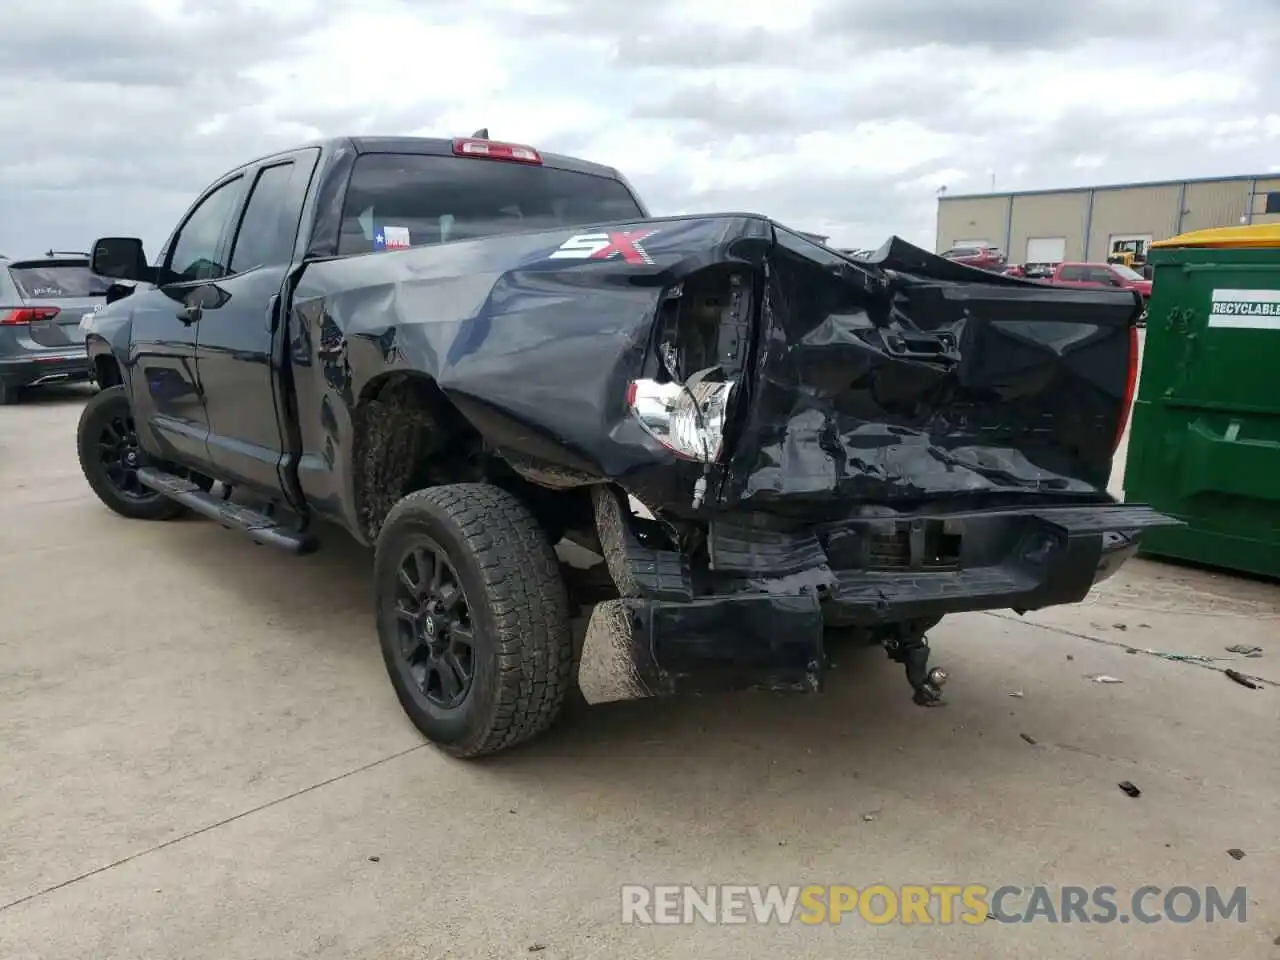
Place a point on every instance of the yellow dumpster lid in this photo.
(1255, 235)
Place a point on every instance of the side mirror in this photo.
(119, 258)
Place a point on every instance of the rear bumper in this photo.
(56, 366)
(775, 591)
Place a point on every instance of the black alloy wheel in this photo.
(473, 617)
(120, 456)
(110, 457)
(437, 642)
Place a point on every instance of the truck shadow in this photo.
(862, 728)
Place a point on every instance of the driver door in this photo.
(168, 397)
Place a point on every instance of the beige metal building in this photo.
(1088, 223)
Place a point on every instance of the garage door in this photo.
(1046, 249)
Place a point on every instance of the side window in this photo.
(1272, 202)
(266, 231)
(198, 243)
(1105, 276)
(1072, 273)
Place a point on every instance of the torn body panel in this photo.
(821, 441)
(536, 353)
(855, 382)
(929, 387)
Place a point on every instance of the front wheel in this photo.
(473, 618)
(110, 456)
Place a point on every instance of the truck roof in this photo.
(435, 146)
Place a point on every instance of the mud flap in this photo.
(636, 648)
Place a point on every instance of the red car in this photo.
(1103, 275)
(985, 258)
(1100, 275)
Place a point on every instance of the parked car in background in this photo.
(985, 258)
(1078, 274)
(42, 300)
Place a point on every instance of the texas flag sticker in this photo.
(391, 238)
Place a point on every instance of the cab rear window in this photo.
(402, 200)
(57, 281)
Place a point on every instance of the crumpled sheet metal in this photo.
(537, 351)
(1022, 391)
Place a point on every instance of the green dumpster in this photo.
(1205, 434)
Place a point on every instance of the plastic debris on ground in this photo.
(1129, 788)
(1103, 678)
(1175, 657)
(1243, 679)
(1245, 649)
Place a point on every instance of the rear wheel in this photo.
(473, 618)
(110, 456)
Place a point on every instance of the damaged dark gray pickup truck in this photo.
(467, 352)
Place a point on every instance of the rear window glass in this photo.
(399, 200)
(57, 281)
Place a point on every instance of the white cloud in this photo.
(839, 116)
(388, 59)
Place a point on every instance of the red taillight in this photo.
(1131, 384)
(28, 315)
(492, 150)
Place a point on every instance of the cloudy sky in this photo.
(838, 116)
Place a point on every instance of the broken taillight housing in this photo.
(687, 419)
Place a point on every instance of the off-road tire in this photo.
(102, 407)
(519, 609)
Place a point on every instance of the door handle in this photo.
(190, 313)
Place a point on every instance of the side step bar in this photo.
(258, 526)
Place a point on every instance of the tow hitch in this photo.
(911, 648)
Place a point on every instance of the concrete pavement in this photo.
(200, 756)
